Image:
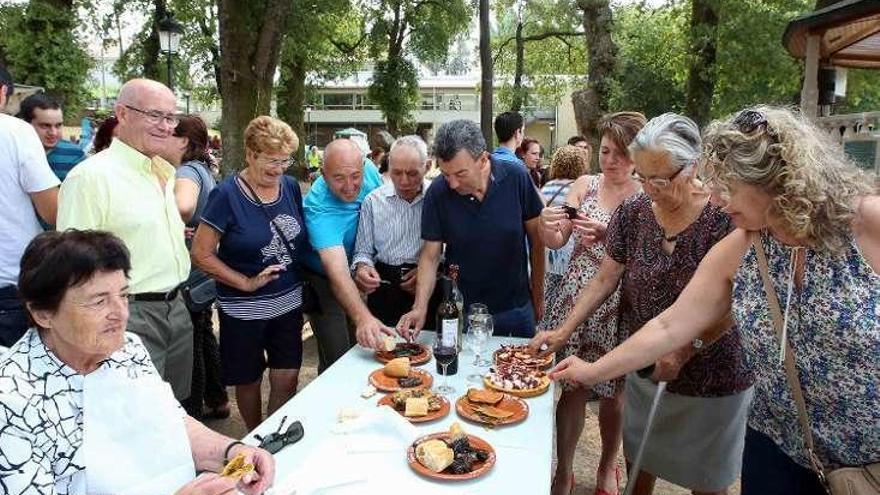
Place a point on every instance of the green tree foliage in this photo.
(554, 52)
(751, 65)
(324, 42)
(401, 31)
(41, 48)
(196, 66)
(862, 92)
(652, 60)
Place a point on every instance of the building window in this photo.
(363, 102)
(338, 101)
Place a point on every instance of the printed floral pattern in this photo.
(598, 334)
(834, 331)
(654, 279)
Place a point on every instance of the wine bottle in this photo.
(459, 301)
(448, 326)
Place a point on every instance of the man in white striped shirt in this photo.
(389, 234)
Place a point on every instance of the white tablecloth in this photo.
(372, 458)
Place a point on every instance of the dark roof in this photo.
(849, 30)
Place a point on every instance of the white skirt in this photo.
(696, 442)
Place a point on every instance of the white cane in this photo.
(637, 464)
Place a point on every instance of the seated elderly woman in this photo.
(809, 230)
(84, 409)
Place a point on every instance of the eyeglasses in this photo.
(274, 442)
(155, 116)
(282, 163)
(658, 182)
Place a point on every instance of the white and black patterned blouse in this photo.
(41, 423)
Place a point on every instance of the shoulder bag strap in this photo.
(790, 368)
(266, 213)
(561, 188)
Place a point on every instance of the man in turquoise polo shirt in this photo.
(332, 208)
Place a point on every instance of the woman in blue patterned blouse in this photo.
(795, 197)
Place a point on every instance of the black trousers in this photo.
(13, 318)
(207, 388)
(389, 302)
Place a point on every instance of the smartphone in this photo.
(571, 211)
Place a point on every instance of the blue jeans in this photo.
(767, 470)
(516, 322)
(13, 318)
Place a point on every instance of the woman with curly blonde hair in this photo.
(814, 217)
(249, 240)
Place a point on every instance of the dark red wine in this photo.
(447, 356)
(448, 324)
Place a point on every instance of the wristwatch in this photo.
(697, 343)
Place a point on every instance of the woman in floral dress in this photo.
(595, 197)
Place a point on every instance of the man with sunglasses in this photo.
(128, 189)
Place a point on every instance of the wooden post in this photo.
(810, 91)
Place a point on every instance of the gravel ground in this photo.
(586, 457)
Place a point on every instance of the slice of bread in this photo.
(478, 396)
(434, 455)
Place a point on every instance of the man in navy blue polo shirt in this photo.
(510, 130)
(483, 211)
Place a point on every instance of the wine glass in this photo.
(444, 353)
(480, 328)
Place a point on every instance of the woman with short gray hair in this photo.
(654, 244)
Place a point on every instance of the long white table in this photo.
(524, 450)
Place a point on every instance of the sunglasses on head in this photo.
(274, 442)
(749, 120)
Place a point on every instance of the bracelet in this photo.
(228, 448)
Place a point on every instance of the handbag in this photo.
(310, 302)
(856, 480)
(199, 291)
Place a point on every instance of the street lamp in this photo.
(309, 125)
(170, 32)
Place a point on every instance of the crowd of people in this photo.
(662, 267)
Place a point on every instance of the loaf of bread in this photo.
(416, 406)
(434, 455)
(397, 368)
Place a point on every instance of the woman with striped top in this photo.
(250, 239)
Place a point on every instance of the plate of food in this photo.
(516, 379)
(418, 406)
(399, 375)
(521, 354)
(491, 407)
(418, 354)
(451, 455)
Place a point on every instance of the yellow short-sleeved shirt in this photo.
(117, 191)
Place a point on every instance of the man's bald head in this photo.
(137, 92)
(146, 111)
(344, 169)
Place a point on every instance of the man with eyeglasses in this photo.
(128, 189)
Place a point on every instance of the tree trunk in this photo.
(701, 74)
(152, 67)
(250, 44)
(486, 77)
(518, 92)
(591, 102)
(291, 100)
